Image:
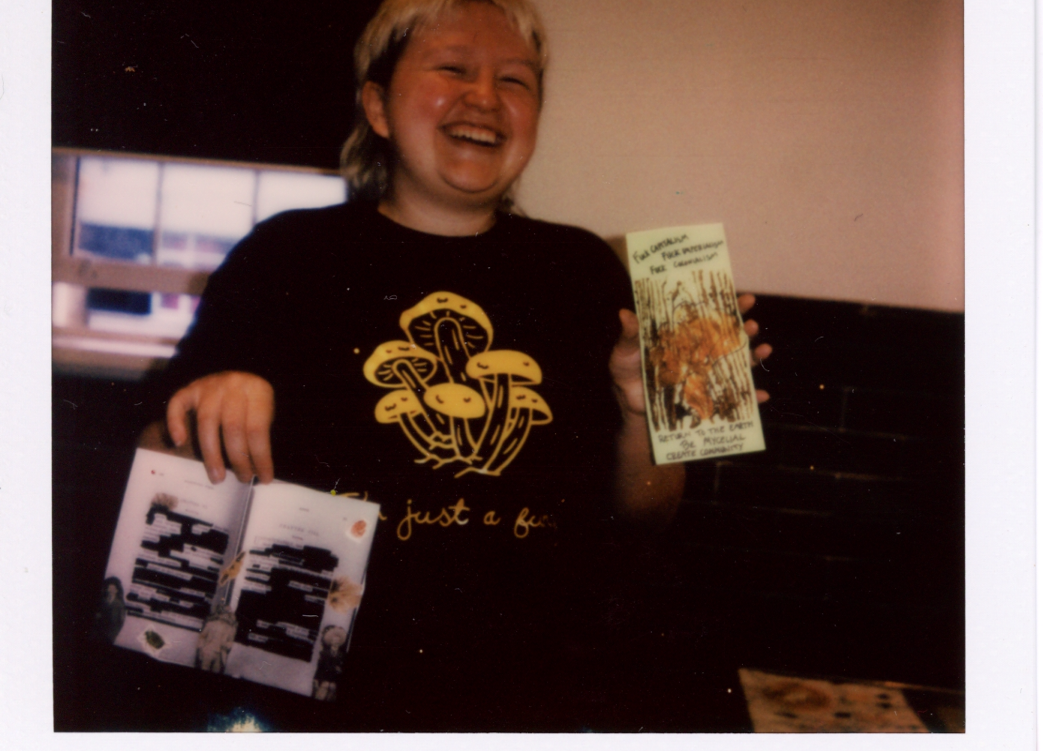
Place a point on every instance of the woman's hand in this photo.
(625, 366)
(233, 407)
(762, 351)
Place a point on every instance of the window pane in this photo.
(142, 313)
(204, 211)
(116, 208)
(280, 191)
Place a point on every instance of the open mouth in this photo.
(475, 134)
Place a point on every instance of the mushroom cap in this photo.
(505, 361)
(419, 321)
(397, 403)
(523, 398)
(377, 368)
(455, 400)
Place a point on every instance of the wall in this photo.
(827, 136)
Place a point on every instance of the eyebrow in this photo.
(463, 48)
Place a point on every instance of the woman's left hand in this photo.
(625, 366)
(762, 351)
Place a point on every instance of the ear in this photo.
(373, 104)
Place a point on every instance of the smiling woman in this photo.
(504, 437)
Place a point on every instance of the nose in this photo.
(483, 92)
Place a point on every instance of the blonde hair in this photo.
(364, 157)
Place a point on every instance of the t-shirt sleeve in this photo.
(242, 306)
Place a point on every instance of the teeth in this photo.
(473, 133)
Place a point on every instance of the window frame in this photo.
(76, 349)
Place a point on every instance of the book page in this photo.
(298, 590)
(176, 533)
(699, 393)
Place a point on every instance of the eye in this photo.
(519, 79)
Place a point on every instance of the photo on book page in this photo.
(695, 359)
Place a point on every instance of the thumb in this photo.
(628, 336)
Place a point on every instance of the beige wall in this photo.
(827, 136)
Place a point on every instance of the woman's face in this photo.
(461, 110)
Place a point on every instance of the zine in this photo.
(699, 394)
(256, 582)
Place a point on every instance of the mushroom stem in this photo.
(451, 349)
(424, 443)
(410, 378)
(513, 440)
(495, 417)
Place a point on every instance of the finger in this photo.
(751, 328)
(630, 326)
(258, 438)
(763, 352)
(177, 415)
(762, 396)
(208, 430)
(746, 301)
(233, 433)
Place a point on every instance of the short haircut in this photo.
(364, 157)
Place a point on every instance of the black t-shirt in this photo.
(461, 383)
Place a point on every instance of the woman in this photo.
(460, 364)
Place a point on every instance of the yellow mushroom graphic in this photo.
(459, 404)
(455, 399)
(496, 372)
(403, 406)
(450, 326)
(525, 409)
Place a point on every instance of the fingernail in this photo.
(212, 474)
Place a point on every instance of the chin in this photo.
(479, 193)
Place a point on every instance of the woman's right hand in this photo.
(236, 408)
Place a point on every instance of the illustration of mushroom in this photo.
(497, 371)
(459, 403)
(691, 338)
(400, 363)
(452, 394)
(403, 406)
(452, 327)
(525, 409)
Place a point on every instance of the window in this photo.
(135, 238)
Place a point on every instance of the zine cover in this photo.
(258, 582)
(695, 359)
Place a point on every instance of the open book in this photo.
(699, 394)
(261, 582)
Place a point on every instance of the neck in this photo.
(437, 220)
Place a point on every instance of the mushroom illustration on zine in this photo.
(699, 393)
(457, 401)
